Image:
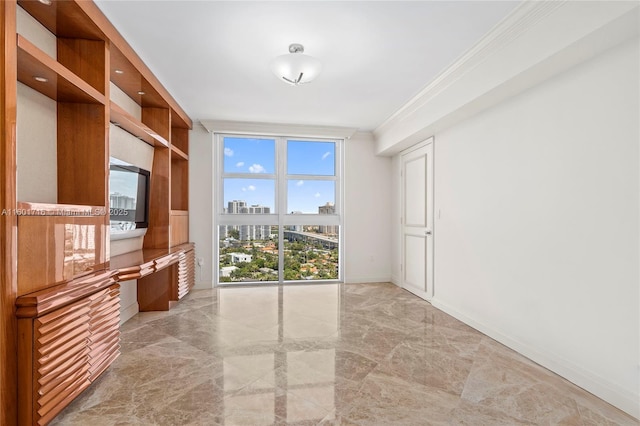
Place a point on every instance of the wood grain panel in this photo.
(179, 183)
(159, 203)
(85, 58)
(158, 119)
(179, 222)
(180, 139)
(155, 290)
(82, 154)
(52, 249)
(8, 222)
(64, 19)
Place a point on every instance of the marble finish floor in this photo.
(355, 354)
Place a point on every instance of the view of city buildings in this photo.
(251, 253)
(119, 201)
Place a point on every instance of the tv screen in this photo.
(128, 197)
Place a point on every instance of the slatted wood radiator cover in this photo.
(68, 335)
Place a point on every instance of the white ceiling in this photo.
(214, 56)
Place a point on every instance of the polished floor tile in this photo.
(355, 354)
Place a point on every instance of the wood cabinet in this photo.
(68, 335)
(58, 290)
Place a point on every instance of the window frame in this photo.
(280, 216)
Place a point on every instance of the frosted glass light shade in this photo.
(296, 68)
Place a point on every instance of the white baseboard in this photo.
(363, 279)
(129, 312)
(203, 285)
(602, 388)
(396, 280)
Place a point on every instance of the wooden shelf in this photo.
(127, 122)
(180, 138)
(180, 120)
(131, 81)
(175, 150)
(62, 85)
(179, 212)
(64, 19)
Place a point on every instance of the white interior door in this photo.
(417, 220)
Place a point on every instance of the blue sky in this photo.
(257, 156)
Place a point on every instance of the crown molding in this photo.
(537, 40)
(519, 21)
(275, 129)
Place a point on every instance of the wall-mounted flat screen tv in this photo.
(128, 199)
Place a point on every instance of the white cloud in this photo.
(325, 155)
(228, 152)
(240, 164)
(257, 168)
(300, 183)
(251, 188)
(244, 189)
(317, 195)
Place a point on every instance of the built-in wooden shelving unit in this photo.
(64, 278)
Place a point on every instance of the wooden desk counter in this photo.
(164, 275)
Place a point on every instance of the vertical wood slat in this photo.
(104, 341)
(186, 273)
(68, 366)
(191, 268)
(8, 232)
(72, 336)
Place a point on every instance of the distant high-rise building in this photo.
(236, 206)
(328, 208)
(233, 207)
(119, 201)
(255, 232)
(248, 232)
(297, 228)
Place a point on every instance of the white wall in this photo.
(539, 235)
(201, 202)
(36, 148)
(367, 234)
(36, 126)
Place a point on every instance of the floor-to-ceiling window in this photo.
(278, 209)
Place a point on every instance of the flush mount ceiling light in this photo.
(296, 68)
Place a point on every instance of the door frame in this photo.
(429, 272)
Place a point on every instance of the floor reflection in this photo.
(357, 354)
(280, 383)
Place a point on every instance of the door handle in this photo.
(427, 232)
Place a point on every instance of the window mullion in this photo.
(281, 159)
